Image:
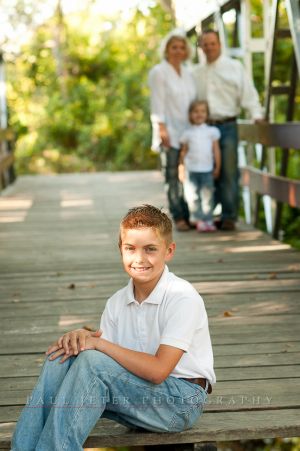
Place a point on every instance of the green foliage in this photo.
(78, 93)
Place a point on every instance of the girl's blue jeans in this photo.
(70, 397)
(199, 191)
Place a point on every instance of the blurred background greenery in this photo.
(78, 94)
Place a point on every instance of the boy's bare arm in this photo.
(217, 159)
(155, 368)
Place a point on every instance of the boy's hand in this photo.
(72, 343)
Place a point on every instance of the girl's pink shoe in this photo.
(205, 227)
(210, 227)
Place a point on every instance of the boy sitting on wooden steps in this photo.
(149, 366)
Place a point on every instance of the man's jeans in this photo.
(199, 189)
(227, 186)
(177, 204)
(70, 397)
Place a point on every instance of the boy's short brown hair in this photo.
(147, 216)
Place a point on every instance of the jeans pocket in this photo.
(185, 419)
(185, 415)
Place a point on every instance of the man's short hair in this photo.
(208, 31)
(147, 216)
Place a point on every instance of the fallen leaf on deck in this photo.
(227, 314)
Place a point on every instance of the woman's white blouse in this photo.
(171, 95)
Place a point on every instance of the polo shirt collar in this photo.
(156, 295)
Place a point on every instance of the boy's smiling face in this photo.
(144, 254)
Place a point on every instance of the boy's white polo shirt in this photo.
(173, 314)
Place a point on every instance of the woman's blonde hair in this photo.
(179, 34)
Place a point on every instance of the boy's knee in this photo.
(98, 364)
(93, 358)
(52, 364)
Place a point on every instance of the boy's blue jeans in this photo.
(70, 397)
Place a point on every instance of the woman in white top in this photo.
(172, 90)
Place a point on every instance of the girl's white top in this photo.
(199, 139)
(171, 95)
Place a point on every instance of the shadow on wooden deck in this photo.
(60, 262)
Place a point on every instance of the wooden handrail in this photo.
(279, 188)
(284, 190)
(286, 136)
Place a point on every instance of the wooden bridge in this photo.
(60, 262)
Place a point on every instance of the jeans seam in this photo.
(77, 411)
(162, 392)
(186, 414)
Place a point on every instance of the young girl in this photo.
(200, 163)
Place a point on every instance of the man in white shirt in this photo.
(225, 85)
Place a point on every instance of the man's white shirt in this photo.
(227, 88)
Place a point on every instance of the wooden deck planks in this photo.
(59, 262)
